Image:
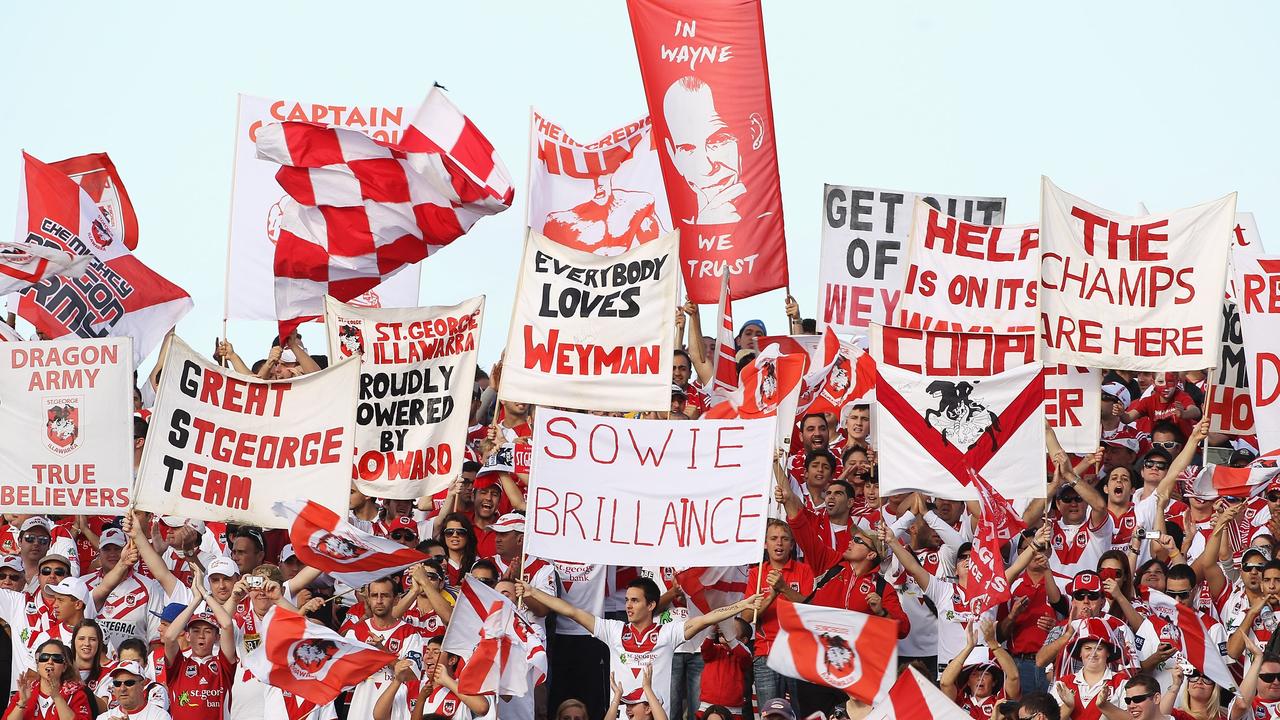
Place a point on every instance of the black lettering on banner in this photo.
(89, 305)
(394, 399)
(1232, 366)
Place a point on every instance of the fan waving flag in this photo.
(504, 654)
(23, 264)
(362, 209)
(836, 648)
(913, 697)
(324, 541)
(309, 660)
(115, 295)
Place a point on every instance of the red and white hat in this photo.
(1086, 580)
(12, 562)
(1128, 443)
(112, 536)
(1117, 391)
(133, 667)
(1096, 629)
(401, 523)
(511, 522)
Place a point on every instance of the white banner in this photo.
(1135, 293)
(623, 492)
(929, 429)
(1073, 406)
(256, 203)
(417, 369)
(226, 447)
(593, 332)
(604, 197)
(1230, 407)
(67, 422)
(864, 234)
(961, 273)
(1258, 285)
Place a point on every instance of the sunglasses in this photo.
(124, 683)
(58, 658)
(1196, 676)
(1233, 499)
(1155, 464)
(454, 532)
(1273, 496)
(60, 572)
(36, 539)
(400, 535)
(1085, 595)
(1178, 594)
(1269, 677)
(1138, 699)
(1252, 568)
(860, 541)
(1165, 444)
(11, 576)
(1070, 498)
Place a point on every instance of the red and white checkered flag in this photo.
(363, 209)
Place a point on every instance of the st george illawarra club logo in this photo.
(350, 338)
(62, 423)
(340, 548)
(961, 418)
(839, 665)
(310, 657)
(767, 386)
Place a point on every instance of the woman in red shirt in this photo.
(53, 691)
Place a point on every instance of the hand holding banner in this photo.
(622, 492)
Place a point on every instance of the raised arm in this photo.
(693, 626)
(951, 674)
(904, 556)
(702, 365)
(159, 570)
(557, 606)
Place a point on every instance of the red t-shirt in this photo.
(41, 707)
(199, 688)
(795, 575)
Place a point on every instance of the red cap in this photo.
(400, 523)
(1085, 580)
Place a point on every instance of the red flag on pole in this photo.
(324, 541)
(726, 362)
(706, 79)
(97, 175)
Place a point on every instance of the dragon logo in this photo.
(337, 547)
(840, 665)
(961, 419)
(62, 424)
(350, 339)
(766, 394)
(100, 233)
(310, 656)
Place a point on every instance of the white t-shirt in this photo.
(128, 610)
(402, 639)
(631, 650)
(149, 712)
(582, 586)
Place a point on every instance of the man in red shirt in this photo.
(779, 575)
(1166, 401)
(200, 680)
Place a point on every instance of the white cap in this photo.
(133, 667)
(76, 588)
(12, 562)
(36, 521)
(177, 522)
(1124, 442)
(287, 552)
(1117, 391)
(223, 565)
(511, 522)
(112, 536)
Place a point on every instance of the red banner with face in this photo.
(706, 80)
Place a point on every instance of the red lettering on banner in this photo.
(64, 474)
(669, 519)
(1160, 341)
(637, 535)
(588, 360)
(1088, 339)
(693, 448)
(572, 452)
(1138, 239)
(1266, 372)
(216, 487)
(743, 515)
(648, 453)
(239, 396)
(722, 445)
(980, 242)
(539, 508)
(591, 443)
(712, 521)
(1254, 287)
(1231, 408)
(1062, 406)
(955, 354)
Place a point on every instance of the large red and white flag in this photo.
(1215, 481)
(1135, 293)
(848, 376)
(837, 648)
(706, 80)
(504, 654)
(309, 660)
(604, 197)
(725, 360)
(930, 430)
(1201, 651)
(97, 175)
(768, 387)
(23, 264)
(329, 543)
(116, 295)
(362, 209)
(914, 697)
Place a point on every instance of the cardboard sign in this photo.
(418, 366)
(592, 332)
(66, 419)
(226, 447)
(623, 492)
(864, 236)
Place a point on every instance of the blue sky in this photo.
(1169, 103)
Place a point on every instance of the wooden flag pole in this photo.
(1204, 413)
